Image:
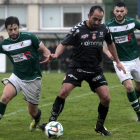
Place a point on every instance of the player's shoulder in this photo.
(5, 41)
(103, 26)
(77, 27)
(26, 34)
(130, 19)
(110, 22)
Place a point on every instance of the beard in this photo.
(120, 20)
(93, 25)
(14, 37)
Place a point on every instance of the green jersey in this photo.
(124, 38)
(24, 55)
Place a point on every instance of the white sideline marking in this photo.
(21, 110)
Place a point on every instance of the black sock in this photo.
(57, 108)
(102, 113)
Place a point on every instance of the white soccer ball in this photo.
(53, 130)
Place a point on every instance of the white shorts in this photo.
(30, 89)
(132, 70)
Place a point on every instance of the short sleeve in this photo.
(1, 49)
(35, 41)
(137, 24)
(108, 37)
(70, 39)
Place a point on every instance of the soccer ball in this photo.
(53, 130)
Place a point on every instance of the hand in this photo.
(49, 58)
(121, 67)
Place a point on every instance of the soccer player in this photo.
(87, 40)
(122, 31)
(22, 50)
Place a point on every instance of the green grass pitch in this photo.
(79, 115)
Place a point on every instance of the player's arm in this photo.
(113, 51)
(46, 52)
(59, 50)
(107, 52)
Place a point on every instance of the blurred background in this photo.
(51, 20)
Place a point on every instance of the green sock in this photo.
(134, 102)
(137, 92)
(38, 116)
(2, 109)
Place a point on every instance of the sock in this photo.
(102, 113)
(137, 93)
(2, 109)
(57, 108)
(38, 116)
(134, 102)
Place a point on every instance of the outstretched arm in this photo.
(59, 50)
(45, 51)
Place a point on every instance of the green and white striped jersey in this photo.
(23, 53)
(124, 38)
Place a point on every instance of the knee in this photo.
(129, 88)
(4, 99)
(63, 93)
(106, 100)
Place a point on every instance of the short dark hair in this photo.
(120, 4)
(93, 8)
(11, 20)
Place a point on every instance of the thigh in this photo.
(123, 77)
(73, 77)
(31, 91)
(96, 81)
(8, 93)
(136, 70)
(15, 81)
(65, 90)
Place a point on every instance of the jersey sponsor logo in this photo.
(92, 43)
(16, 46)
(122, 39)
(122, 27)
(84, 36)
(94, 36)
(22, 56)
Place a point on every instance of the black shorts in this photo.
(75, 76)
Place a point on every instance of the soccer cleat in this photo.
(33, 126)
(41, 126)
(103, 131)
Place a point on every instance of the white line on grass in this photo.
(21, 110)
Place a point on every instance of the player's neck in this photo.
(120, 22)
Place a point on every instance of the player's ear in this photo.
(88, 16)
(114, 11)
(126, 11)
